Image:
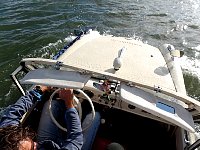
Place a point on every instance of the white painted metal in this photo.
(55, 78)
(147, 102)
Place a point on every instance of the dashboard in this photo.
(107, 93)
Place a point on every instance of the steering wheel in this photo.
(79, 109)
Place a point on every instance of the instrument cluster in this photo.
(101, 91)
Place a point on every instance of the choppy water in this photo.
(37, 28)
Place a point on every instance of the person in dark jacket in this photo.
(15, 137)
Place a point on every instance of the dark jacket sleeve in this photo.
(15, 112)
(74, 139)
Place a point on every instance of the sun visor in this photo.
(160, 107)
(55, 78)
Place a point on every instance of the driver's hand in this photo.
(68, 96)
(45, 88)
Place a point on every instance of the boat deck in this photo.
(96, 54)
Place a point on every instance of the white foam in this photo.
(191, 65)
(69, 39)
(196, 48)
(52, 44)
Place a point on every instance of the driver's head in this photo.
(17, 138)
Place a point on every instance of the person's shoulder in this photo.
(48, 145)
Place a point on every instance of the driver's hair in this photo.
(10, 136)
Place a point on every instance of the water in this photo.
(37, 28)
